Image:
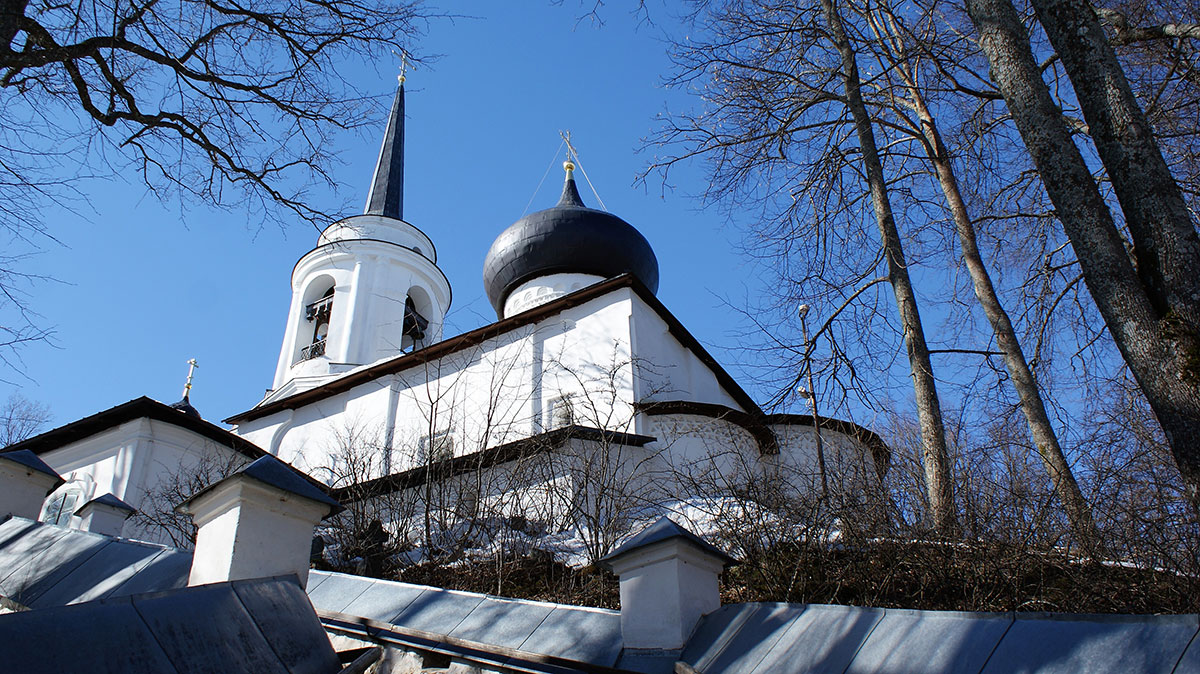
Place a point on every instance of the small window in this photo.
(436, 449)
(61, 505)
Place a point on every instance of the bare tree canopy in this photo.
(1148, 300)
(1041, 163)
(225, 102)
(218, 99)
(21, 418)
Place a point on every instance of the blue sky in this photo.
(142, 286)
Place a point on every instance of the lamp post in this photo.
(811, 394)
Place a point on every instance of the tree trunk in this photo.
(1166, 246)
(1156, 347)
(938, 482)
(1079, 514)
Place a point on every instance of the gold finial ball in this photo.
(568, 166)
(400, 79)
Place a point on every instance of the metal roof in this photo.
(44, 566)
(30, 461)
(386, 197)
(783, 638)
(261, 626)
(568, 238)
(134, 409)
(107, 499)
(575, 633)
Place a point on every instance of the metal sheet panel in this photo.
(1190, 662)
(821, 640)
(735, 638)
(383, 600)
(167, 570)
(116, 563)
(105, 638)
(19, 553)
(50, 567)
(281, 610)
(315, 578)
(11, 529)
(1048, 644)
(206, 629)
(502, 622)
(337, 591)
(437, 611)
(907, 641)
(586, 635)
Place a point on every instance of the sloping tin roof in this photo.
(134, 409)
(783, 638)
(261, 626)
(575, 633)
(45, 566)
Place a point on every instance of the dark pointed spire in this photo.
(570, 194)
(387, 185)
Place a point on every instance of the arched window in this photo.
(417, 309)
(318, 313)
(63, 503)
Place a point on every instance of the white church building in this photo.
(585, 381)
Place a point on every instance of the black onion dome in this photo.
(568, 238)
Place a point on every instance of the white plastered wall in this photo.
(129, 460)
(668, 370)
(484, 395)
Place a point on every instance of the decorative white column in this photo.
(669, 580)
(256, 523)
(104, 515)
(24, 482)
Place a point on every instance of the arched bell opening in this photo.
(416, 326)
(313, 332)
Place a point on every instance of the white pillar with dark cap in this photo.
(669, 580)
(256, 523)
(104, 515)
(24, 482)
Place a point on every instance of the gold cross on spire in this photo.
(403, 64)
(192, 365)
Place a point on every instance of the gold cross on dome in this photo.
(192, 365)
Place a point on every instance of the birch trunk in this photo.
(1079, 514)
(1159, 349)
(938, 481)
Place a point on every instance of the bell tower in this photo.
(370, 290)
